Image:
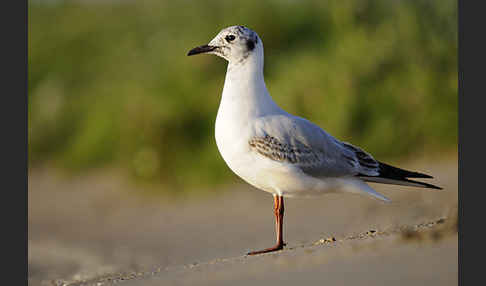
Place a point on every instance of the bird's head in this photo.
(234, 44)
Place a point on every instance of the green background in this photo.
(110, 85)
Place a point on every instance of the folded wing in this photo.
(299, 142)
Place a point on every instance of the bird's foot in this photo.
(277, 247)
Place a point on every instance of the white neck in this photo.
(245, 98)
(245, 94)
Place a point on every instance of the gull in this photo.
(277, 152)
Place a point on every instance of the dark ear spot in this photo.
(250, 45)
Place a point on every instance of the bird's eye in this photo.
(230, 38)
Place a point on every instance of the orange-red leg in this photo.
(278, 204)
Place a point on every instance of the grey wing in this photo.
(366, 164)
(299, 142)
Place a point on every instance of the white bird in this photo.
(277, 152)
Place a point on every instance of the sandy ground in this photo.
(97, 230)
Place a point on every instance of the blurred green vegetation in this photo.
(110, 83)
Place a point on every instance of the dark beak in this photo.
(201, 50)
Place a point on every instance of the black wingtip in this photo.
(394, 172)
(394, 175)
(419, 175)
(425, 185)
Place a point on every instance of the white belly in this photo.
(263, 173)
(239, 109)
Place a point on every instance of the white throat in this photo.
(245, 98)
(245, 94)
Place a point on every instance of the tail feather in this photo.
(361, 187)
(397, 176)
(402, 182)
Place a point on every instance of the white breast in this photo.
(245, 99)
